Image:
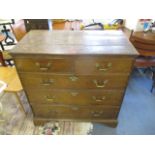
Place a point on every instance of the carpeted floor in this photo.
(137, 115)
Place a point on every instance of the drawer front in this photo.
(85, 65)
(42, 81)
(101, 65)
(57, 65)
(75, 112)
(72, 97)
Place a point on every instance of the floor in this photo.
(137, 115)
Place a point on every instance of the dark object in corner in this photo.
(32, 24)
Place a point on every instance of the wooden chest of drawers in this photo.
(74, 75)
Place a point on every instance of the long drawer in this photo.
(75, 112)
(75, 97)
(47, 81)
(84, 65)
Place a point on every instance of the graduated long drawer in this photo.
(75, 112)
(48, 81)
(75, 97)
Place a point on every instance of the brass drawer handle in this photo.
(98, 66)
(98, 100)
(100, 85)
(47, 82)
(73, 78)
(75, 108)
(43, 68)
(50, 98)
(97, 113)
(74, 93)
(53, 112)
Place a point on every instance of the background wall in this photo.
(131, 24)
(134, 24)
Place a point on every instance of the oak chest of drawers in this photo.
(74, 75)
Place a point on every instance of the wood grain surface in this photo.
(75, 42)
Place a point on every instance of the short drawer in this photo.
(75, 112)
(75, 97)
(103, 64)
(42, 81)
(41, 64)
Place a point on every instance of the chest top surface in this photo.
(59, 42)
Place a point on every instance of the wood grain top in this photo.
(59, 42)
